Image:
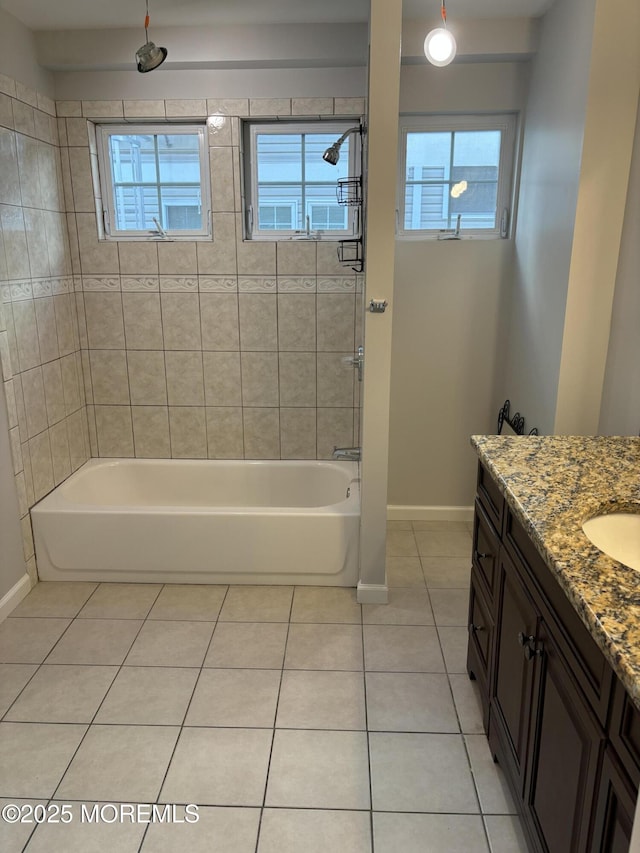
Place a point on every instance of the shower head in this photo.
(332, 154)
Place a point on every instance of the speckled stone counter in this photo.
(555, 483)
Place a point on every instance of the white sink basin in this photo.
(617, 535)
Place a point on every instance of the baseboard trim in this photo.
(12, 599)
(372, 593)
(398, 512)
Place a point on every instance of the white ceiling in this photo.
(102, 14)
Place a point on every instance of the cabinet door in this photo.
(512, 690)
(614, 808)
(566, 744)
(486, 546)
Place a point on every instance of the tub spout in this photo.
(350, 454)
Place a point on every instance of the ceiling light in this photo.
(149, 56)
(440, 45)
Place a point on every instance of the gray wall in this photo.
(550, 177)
(620, 414)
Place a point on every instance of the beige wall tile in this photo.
(64, 306)
(144, 109)
(185, 384)
(71, 380)
(297, 433)
(188, 432)
(349, 106)
(109, 377)
(114, 431)
(69, 108)
(255, 258)
(219, 316)
(23, 118)
(258, 321)
(138, 258)
(34, 226)
(335, 380)
(311, 106)
(102, 109)
(335, 429)
(9, 174)
(50, 175)
(259, 379)
(34, 401)
(151, 432)
(220, 256)
(26, 334)
(81, 180)
(147, 378)
(225, 433)
(219, 130)
(296, 258)
(270, 106)
(6, 112)
(177, 258)
(327, 260)
(53, 392)
(222, 182)
(28, 168)
(261, 433)
(41, 464)
(77, 132)
(228, 106)
(336, 321)
(76, 431)
(105, 327)
(142, 321)
(60, 455)
(222, 386)
(184, 108)
(297, 321)
(10, 397)
(297, 378)
(181, 321)
(15, 241)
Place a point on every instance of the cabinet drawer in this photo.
(490, 497)
(480, 648)
(593, 673)
(486, 546)
(615, 807)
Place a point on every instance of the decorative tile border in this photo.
(42, 287)
(337, 284)
(217, 284)
(20, 290)
(139, 283)
(61, 285)
(297, 284)
(178, 284)
(257, 284)
(109, 283)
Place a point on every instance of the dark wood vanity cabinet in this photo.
(559, 723)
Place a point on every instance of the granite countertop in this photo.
(555, 483)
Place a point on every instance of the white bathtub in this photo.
(192, 521)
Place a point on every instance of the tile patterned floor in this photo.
(297, 720)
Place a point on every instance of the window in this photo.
(154, 180)
(456, 171)
(289, 189)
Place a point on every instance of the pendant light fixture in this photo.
(440, 45)
(149, 56)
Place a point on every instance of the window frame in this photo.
(507, 123)
(103, 132)
(250, 130)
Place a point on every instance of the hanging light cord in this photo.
(443, 12)
(146, 22)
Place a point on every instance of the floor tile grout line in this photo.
(275, 720)
(366, 723)
(182, 725)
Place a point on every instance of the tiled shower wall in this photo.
(222, 349)
(39, 343)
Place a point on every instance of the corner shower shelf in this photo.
(349, 191)
(350, 253)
